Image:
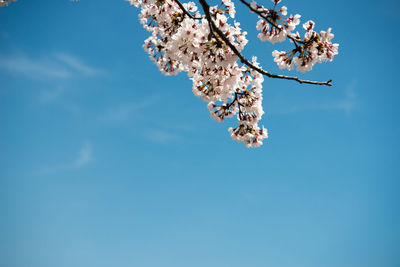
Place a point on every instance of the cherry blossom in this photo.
(313, 48)
(208, 47)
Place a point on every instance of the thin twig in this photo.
(261, 14)
(184, 10)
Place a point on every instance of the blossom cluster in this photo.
(183, 41)
(313, 48)
(208, 47)
(274, 24)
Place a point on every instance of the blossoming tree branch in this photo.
(208, 44)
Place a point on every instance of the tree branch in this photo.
(245, 61)
(261, 14)
(184, 10)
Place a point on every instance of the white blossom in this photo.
(182, 42)
(309, 25)
(283, 60)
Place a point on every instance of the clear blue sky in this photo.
(106, 162)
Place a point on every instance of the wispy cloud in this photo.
(161, 136)
(78, 65)
(122, 112)
(346, 104)
(83, 158)
(187, 127)
(50, 95)
(54, 66)
(42, 68)
(125, 111)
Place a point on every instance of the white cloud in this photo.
(54, 66)
(43, 68)
(347, 104)
(84, 157)
(187, 127)
(77, 64)
(161, 136)
(124, 111)
(51, 95)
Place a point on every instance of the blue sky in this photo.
(106, 162)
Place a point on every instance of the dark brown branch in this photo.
(184, 10)
(245, 61)
(261, 14)
(212, 34)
